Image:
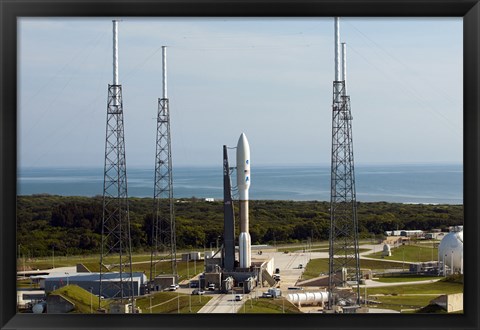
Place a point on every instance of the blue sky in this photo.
(269, 78)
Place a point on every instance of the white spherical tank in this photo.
(450, 251)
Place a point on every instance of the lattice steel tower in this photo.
(344, 268)
(163, 227)
(116, 241)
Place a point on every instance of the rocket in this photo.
(243, 185)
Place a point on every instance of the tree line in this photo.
(73, 225)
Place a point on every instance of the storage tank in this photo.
(39, 308)
(308, 297)
(450, 251)
(387, 252)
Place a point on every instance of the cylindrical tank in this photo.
(39, 308)
(387, 252)
(450, 251)
(308, 297)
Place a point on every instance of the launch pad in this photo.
(226, 271)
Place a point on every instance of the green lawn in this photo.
(317, 266)
(440, 287)
(406, 278)
(81, 298)
(410, 253)
(172, 303)
(402, 302)
(268, 306)
(162, 302)
(141, 263)
(412, 296)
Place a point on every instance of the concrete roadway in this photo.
(222, 303)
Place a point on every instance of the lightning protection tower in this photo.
(344, 269)
(163, 226)
(116, 254)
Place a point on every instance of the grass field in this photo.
(410, 253)
(399, 303)
(406, 278)
(140, 263)
(81, 298)
(412, 296)
(318, 266)
(268, 306)
(172, 303)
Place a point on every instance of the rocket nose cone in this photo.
(242, 141)
(243, 147)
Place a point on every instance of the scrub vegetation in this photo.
(61, 225)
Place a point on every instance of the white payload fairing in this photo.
(243, 184)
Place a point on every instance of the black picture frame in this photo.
(11, 10)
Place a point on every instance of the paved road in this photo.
(222, 303)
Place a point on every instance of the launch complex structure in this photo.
(222, 269)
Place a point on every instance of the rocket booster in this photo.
(243, 184)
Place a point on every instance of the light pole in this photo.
(451, 264)
(190, 303)
(444, 266)
(366, 300)
(244, 307)
(91, 301)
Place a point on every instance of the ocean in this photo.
(406, 183)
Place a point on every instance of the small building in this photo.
(161, 282)
(27, 298)
(396, 241)
(430, 267)
(275, 292)
(91, 281)
(411, 233)
(58, 304)
(449, 302)
(393, 232)
(435, 235)
(191, 256)
(119, 308)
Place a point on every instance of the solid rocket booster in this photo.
(243, 184)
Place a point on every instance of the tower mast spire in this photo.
(344, 268)
(163, 228)
(116, 240)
